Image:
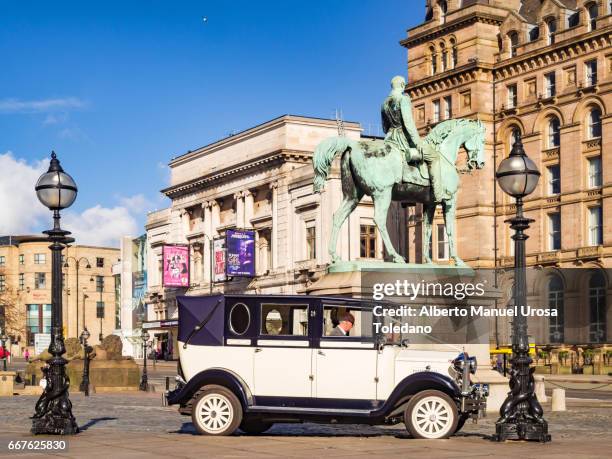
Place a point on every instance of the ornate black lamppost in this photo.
(77, 263)
(3, 340)
(521, 415)
(86, 350)
(56, 190)
(144, 384)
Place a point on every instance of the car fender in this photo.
(415, 383)
(219, 376)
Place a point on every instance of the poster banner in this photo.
(139, 279)
(240, 253)
(176, 265)
(219, 260)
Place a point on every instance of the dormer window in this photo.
(443, 10)
(513, 37)
(593, 11)
(551, 25)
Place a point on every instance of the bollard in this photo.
(33, 380)
(558, 399)
(167, 383)
(540, 389)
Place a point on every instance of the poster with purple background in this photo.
(240, 255)
(176, 265)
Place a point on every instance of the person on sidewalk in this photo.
(26, 355)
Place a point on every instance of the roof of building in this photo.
(16, 240)
(285, 118)
(529, 8)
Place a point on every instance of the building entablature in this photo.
(432, 29)
(203, 182)
(449, 80)
(557, 53)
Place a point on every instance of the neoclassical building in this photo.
(542, 70)
(259, 179)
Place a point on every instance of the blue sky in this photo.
(119, 88)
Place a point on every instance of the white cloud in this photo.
(101, 226)
(56, 118)
(137, 204)
(20, 210)
(22, 213)
(40, 106)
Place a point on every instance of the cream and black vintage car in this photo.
(249, 361)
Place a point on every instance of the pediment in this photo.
(513, 22)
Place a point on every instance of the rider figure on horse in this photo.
(401, 133)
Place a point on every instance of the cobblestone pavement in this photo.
(135, 425)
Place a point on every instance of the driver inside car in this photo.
(347, 322)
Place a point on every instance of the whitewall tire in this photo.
(431, 414)
(216, 411)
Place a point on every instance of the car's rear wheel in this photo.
(431, 414)
(254, 426)
(216, 411)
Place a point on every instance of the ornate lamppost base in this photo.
(54, 425)
(525, 429)
(53, 415)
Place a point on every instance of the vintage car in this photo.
(249, 361)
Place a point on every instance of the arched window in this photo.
(443, 57)
(534, 33)
(556, 325)
(554, 132)
(597, 308)
(514, 38)
(551, 26)
(573, 20)
(443, 10)
(453, 44)
(594, 123)
(593, 10)
(434, 60)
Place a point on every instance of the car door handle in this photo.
(321, 353)
(258, 349)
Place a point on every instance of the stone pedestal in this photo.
(7, 380)
(347, 279)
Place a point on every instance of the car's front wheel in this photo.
(431, 414)
(216, 411)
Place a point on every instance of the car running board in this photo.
(295, 409)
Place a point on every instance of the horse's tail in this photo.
(324, 155)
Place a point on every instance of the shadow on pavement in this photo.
(95, 421)
(312, 430)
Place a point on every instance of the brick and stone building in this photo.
(25, 290)
(541, 69)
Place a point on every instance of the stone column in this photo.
(239, 209)
(274, 232)
(208, 232)
(249, 208)
(216, 217)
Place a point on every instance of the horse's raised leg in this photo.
(430, 210)
(449, 208)
(382, 200)
(348, 205)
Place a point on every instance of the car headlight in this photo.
(463, 360)
(473, 364)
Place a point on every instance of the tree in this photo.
(14, 315)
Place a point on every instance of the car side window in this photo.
(284, 319)
(337, 319)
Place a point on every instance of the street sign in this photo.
(41, 342)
